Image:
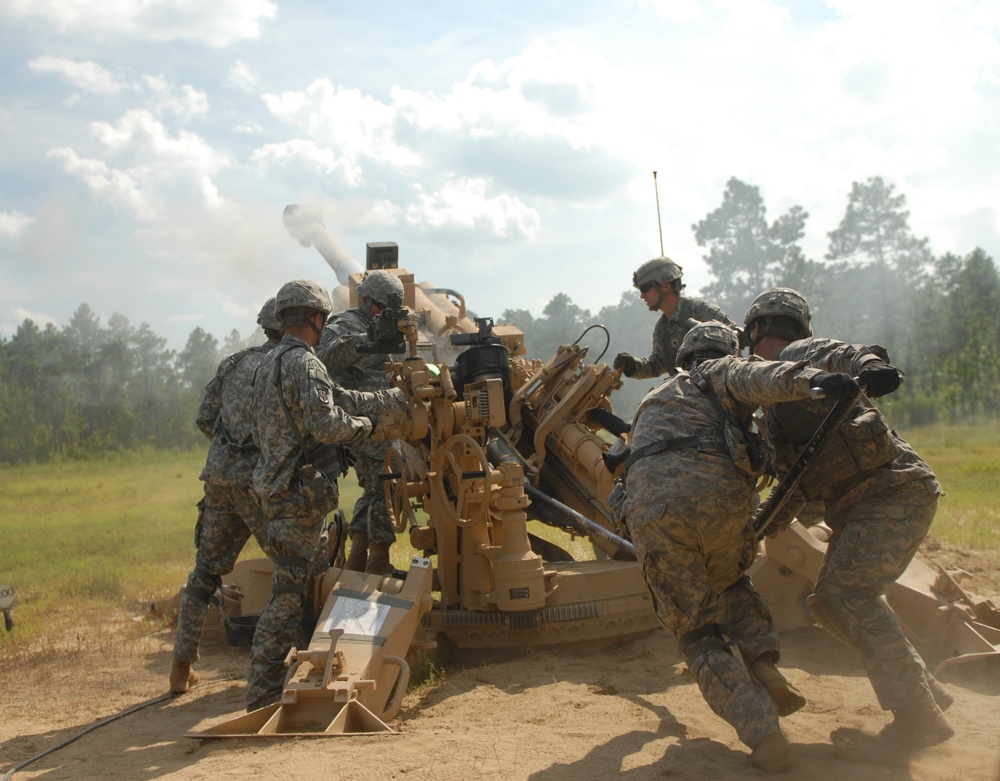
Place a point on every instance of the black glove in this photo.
(626, 363)
(880, 379)
(836, 386)
(373, 420)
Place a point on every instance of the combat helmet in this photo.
(708, 337)
(660, 270)
(296, 299)
(267, 319)
(780, 302)
(377, 285)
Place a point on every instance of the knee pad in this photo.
(699, 642)
(202, 585)
(296, 568)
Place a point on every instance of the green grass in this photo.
(966, 460)
(86, 538)
(108, 536)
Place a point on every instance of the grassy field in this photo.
(966, 460)
(81, 538)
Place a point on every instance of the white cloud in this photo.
(15, 316)
(249, 127)
(218, 24)
(678, 11)
(310, 154)
(87, 76)
(547, 90)
(154, 169)
(356, 125)
(119, 188)
(464, 205)
(242, 76)
(13, 224)
(184, 101)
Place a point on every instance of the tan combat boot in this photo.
(786, 698)
(916, 726)
(378, 559)
(182, 677)
(358, 558)
(773, 754)
(942, 697)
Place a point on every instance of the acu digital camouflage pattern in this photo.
(688, 512)
(669, 332)
(878, 518)
(229, 512)
(325, 416)
(360, 371)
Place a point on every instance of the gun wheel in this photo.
(397, 497)
(463, 472)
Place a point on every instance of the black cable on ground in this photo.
(103, 723)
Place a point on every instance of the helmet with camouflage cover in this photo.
(377, 285)
(660, 270)
(709, 337)
(267, 319)
(296, 299)
(780, 302)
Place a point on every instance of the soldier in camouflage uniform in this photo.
(880, 499)
(229, 512)
(371, 528)
(302, 419)
(690, 479)
(659, 284)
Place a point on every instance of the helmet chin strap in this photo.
(312, 325)
(761, 333)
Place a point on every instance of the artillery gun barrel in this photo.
(593, 528)
(305, 223)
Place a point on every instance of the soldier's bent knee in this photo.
(202, 584)
(699, 642)
(838, 611)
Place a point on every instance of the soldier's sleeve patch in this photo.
(323, 394)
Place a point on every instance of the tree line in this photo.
(89, 388)
(939, 316)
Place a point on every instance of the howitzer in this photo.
(500, 440)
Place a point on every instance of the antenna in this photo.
(658, 223)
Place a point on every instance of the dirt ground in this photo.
(630, 711)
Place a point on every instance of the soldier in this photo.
(229, 512)
(371, 528)
(659, 284)
(302, 419)
(880, 499)
(690, 478)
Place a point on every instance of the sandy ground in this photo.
(630, 711)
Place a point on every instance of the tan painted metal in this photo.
(352, 677)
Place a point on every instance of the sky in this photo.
(148, 150)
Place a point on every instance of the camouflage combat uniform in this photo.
(668, 333)
(229, 512)
(688, 510)
(324, 416)
(879, 516)
(360, 371)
